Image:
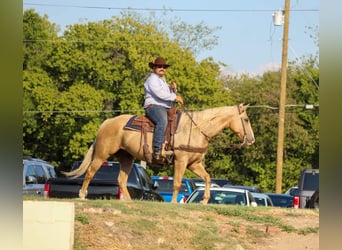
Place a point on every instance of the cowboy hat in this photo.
(158, 61)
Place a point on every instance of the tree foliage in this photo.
(256, 165)
(74, 81)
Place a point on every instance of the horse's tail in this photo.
(84, 165)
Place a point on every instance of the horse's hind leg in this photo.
(199, 170)
(126, 161)
(92, 169)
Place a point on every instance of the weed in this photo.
(308, 230)
(82, 219)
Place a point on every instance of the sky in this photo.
(249, 42)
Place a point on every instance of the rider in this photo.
(158, 99)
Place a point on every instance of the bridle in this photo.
(232, 146)
(244, 142)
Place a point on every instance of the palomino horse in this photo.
(190, 145)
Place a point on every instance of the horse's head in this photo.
(241, 126)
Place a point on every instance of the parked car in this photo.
(291, 190)
(262, 199)
(35, 174)
(308, 185)
(226, 196)
(202, 184)
(104, 184)
(249, 188)
(314, 200)
(218, 181)
(281, 200)
(165, 188)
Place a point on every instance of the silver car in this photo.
(231, 196)
(35, 173)
(262, 199)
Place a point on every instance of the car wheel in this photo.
(314, 200)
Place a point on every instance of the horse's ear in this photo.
(243, 106)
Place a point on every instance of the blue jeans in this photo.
(158, 115)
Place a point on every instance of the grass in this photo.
(113, 224)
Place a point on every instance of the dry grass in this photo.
(149, 225)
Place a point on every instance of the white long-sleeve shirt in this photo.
(158, 92)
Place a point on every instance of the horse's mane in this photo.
(209, 114)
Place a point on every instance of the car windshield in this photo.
(311, 181)
(281, 200)
(220, 197)
(109, 171)
(167, 185)
(260, 201)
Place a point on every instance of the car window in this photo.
(41, 177)
(184, 188)
(52, 172)
(30, 171)
(165, 185)
(311, 181)
(281, 201)
(221, 197)
(146, 180)
(260, 201)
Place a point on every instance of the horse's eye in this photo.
(246, 120)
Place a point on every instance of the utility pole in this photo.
(282, 100)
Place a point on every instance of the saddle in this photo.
(144, 125)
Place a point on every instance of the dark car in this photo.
(281, 200)
(104, 184)
(308, 185)
(292, 190)
(249, 188)
(219, 181)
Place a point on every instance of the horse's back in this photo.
(119, 120)
(113, 125)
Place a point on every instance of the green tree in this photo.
(39, 35)
(96, 70)
(256, 165)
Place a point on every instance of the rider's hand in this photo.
(173, 85)
(179, 99)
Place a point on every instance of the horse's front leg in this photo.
(179, 170)
(200, 171)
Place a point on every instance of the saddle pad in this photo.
(135, 122)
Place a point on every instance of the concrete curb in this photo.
(48, 225)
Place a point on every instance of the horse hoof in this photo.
(81, 195)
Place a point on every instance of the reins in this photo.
(192, 120)
(232, 146)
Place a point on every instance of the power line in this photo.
(306, 106)
(165, 9)
(304, 70)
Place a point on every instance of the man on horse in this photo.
(158, 100)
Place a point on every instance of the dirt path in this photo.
(286, 241)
